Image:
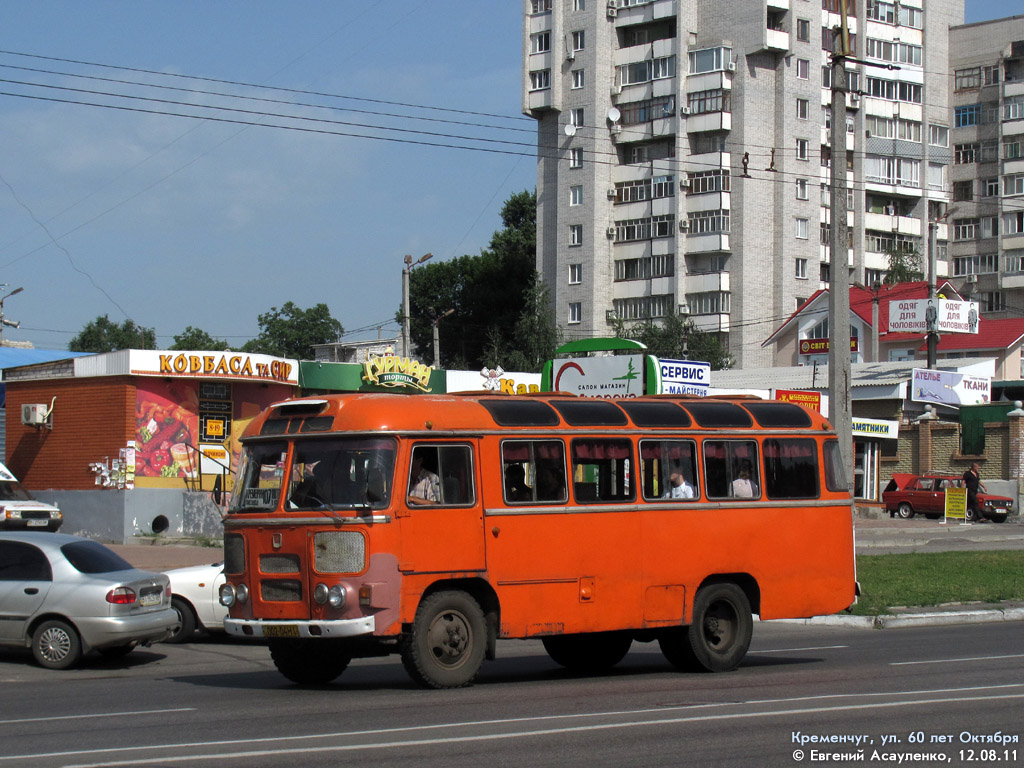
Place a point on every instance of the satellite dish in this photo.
(614, 114)
(570, 129)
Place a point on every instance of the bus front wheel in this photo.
(309, 662)
(719, 635)
(448, 641)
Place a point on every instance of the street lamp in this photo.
(8, 323)
(409, 264)
(437, 340)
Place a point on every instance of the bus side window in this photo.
(442, 475)
(601, 469)
(791, 468)
(533, 471)
(731, 469)
(668, 469)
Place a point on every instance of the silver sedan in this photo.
(65, 596)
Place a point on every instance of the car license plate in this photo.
(280, 630)
(37, 523)
(152, 599)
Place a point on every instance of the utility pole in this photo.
(437, 338)
(409, 264)
(839, 277)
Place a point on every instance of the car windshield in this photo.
(12, 490)
(91, 557)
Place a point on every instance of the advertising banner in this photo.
(889, 430)
(609, 376)
(684, 377)
(940, 315)
(956, 503)
(495, 379)
(801, 397)
(950, 388)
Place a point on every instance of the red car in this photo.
(907, 495)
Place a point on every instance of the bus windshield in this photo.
(324, 474)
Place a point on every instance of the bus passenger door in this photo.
(440, 517)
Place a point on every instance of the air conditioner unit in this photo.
(684, 111)
(615, 128)
(684, 183)
(684, 225)
(854, 99)
(972, 279)
(612, 11)
(684, 309)
(731, 66)
(611, 232)
(612, 194)
(34, 414)
(613, 4)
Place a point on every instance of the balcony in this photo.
(709, 121)
(904, 225)
(710, 323)
(707, 282)
(709, 242)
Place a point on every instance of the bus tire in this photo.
(593, 652)
(448, 641)
(719, 635)
(309, 662)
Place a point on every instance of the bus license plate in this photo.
(281, 630)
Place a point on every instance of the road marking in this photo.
(794, 650)
(946, 661)
(133, 713)
(378, 732)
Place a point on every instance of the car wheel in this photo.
(905, 511)
(970, 516)
(719, 635)
(56, 645)
(448, 641)
(186, 626)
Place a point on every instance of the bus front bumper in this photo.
(302, 629)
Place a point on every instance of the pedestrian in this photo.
(972, 481)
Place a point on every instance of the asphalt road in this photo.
(802, 692)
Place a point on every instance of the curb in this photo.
(926, 619)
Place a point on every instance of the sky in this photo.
(334, 137)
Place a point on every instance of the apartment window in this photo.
(575, 274)
(540, 42)
(801, 229)
(893, 170)
(976, 265)
(938, 135)
(575, 312)
(638, 112)
(540, 80)
(709, 60)
(575, 234)
(872, 276)
(576, 194)
(992, 301)
(936, 176)
(1013, 108)
(631, 230)
(969, 114)
(801, 189)
(990, 226)
(965, 229)
(576, 157)
(708, 222)
(880, 11)
(802, 149)
(577, 40)
(801, 270)
(711, 303)
(645, 153)
(1012, 149)
(709, 181)
(645, 71)
(540, 6)
(803, 30)
(1013, 185)
(802, 109)
(967, 79)
(1015, 261)
(576, 117)
(703, 102)
(643, 307)
(965, 153)
(803, 69)
(579, 5)
(989, 152)
(911, 17)
(1013, 222)
(991, 187)
(963, 190)
(645, 267)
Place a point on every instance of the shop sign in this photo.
(800, 397)
(395, 371)
(610, 376)
(221, 365)
(684, 377)
(939, 315)
(213, 459)
(887, 430)
(495, 379)
(950, 388)
(820, 346)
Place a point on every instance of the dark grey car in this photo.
(65, 596)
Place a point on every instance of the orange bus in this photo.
(432, 525)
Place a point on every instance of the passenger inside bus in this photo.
(743, 486)
(516, 488)
(424, 485)
(678, 486)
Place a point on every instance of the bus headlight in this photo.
(227, 595)
(320, 593)
(242, 593)
(333, 596)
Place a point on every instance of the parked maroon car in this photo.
(907, 495)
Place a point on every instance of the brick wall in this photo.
(92, 419)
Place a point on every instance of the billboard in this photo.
(607, 376)
(950, 388)
(684, 377)
(939, 315)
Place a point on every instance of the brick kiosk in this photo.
(132, 443)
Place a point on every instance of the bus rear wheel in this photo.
(309, 662)
(448, 641)
(719, 636)
(593, 652)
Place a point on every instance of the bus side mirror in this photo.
(218, 491)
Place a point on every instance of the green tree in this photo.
(197, 339)
(905, 266)
(488, 293)
(104, 335)
(292, 331)
(534, 339)
(676, 338)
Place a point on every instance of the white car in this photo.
(195, 597)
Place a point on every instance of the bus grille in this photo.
(234, 554)
(279, 563)
(339, 552)
(281, 590)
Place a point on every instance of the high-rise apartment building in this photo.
(987, 176)
(684, 159)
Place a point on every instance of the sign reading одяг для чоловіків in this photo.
(939, 315)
